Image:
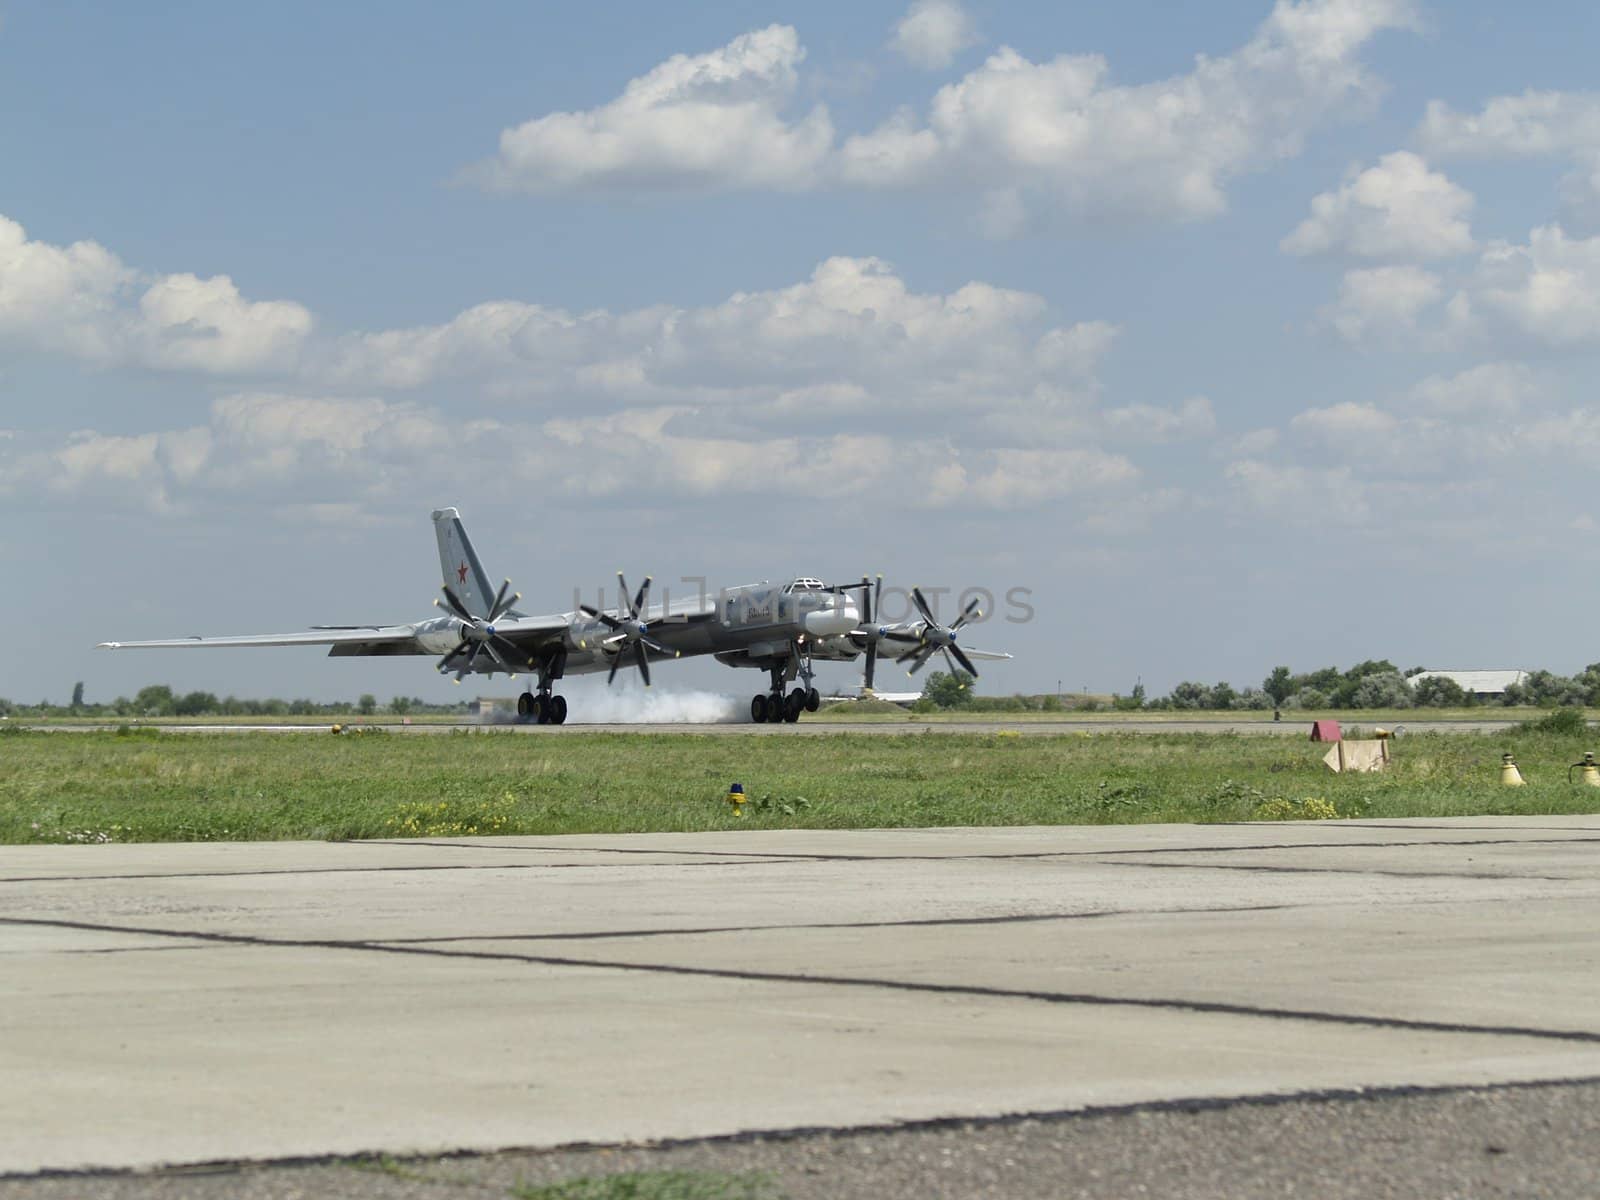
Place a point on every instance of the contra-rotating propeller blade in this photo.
(478, 635)
(936, 637)
(631, 629)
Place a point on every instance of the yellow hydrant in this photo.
(1509, 775)
(736, 798)
(1590, 775)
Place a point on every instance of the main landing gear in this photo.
(774, 707)
(541, 707)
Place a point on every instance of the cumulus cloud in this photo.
(83, 301)
(1383, 304)
(323, 450)
(1497, 389)
(350, 453)
(1062, 135)
(1346, 420)
(1398, 209)
(713, 120)
(1536, 124)
(1194, 418)
(1301, 494)
(1547, 290)
(932, 33)
(1541, 296)
(852, 339)
(1056, 136)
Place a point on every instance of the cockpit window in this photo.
(805, 585)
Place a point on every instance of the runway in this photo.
(170, 1004)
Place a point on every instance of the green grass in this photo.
(655, 1185)
(149, 786)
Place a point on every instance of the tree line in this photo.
(159, 700)
(1375, 683)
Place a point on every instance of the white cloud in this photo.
(81, 300)
(933, 32)
(1057, 137)
(1073, 141)
(1547, 290)
(187, 323)
(1536, 124)
(1383, 304)
(1398, 209)
(333, 452)
(1194, 418)
(1498, 389)
(853, 328)
(1533, 125)
(1538, 296)
(1345, 421)
(1311, 495)
(711, 120)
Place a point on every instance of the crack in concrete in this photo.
(1215, 1007)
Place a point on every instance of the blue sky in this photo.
(1239, 335)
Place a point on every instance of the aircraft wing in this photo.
(381, 635)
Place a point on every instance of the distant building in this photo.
(1485, 685)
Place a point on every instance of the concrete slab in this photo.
(169, 1004)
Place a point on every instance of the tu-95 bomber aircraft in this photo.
(783, 629)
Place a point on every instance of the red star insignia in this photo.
(461, 572)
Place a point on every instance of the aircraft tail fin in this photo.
(463, 573)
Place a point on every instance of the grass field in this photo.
(149, 786)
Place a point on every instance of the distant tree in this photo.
(1221, 696)
(1309, 697)
(154, 701)
(367, 705)
(77, 695)
(1549, 690)
(1589, 680)
(1132, 702)
(400, 705)
(1189, 694)
(194, 704)
(1382, 689)
(1324, 681)
(1344, 692)
(1438, 691)
(1279, 686)
(948, 691)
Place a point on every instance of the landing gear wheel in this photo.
(758, 709)
(794, 706)
(556, 710)
(541, 710)
(525, 704)
(813, 699)
(775, 708)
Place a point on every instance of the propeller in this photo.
(629, 629)
(936, 638)
(868, 634)
(478, 635)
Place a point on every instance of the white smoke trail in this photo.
(634, 705)
(658, 706)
